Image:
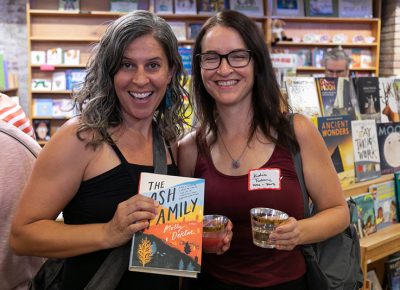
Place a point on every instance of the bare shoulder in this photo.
(304, 129)
(187, 153)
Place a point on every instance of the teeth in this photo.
(140, 95)
(226, 83)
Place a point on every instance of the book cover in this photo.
(193, 30)
(38, 57)
(376, 285)
(68, 5)
(42, 129)
(54, 56)
(337, 134)
(249, 8)
(72, 56)
(186, 54)
(366, 213)
(302, 96)
(123, 5)
(392, 270)
(210, 7)
(327, 90)
(389, 146)
(367, 91)
(345, 102)
(385, 203)
(288, 8)
(179, 29)
(42, 108)
(366, 150)
(59, 81)
(75, 78)
(185, 7)
(355, 8)
(164, 6)
(41, 85)
(388, 100)
(323, 8)
(172, 244)
(62, 108)
(397, 191)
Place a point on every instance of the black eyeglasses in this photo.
(236, 59)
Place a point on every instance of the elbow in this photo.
(17, 244)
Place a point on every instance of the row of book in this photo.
(391, 275)
(55, 56)
(71, 79)
(359, 97)
(323, 8)
(52, 108)
(313, 57)
(377, 208)
(8, 79)
(207, 7)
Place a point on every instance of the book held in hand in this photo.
(172, 244)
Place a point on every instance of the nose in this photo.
(224, 67)
(139, 77)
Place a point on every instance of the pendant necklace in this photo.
(235, 162)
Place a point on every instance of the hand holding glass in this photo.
(263, 222)
(214, 230)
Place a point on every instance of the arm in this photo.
(324, 189)
(60, 168)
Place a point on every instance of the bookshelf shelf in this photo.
(361, 187)
(51, 92)
(9, 91)
(344, 45)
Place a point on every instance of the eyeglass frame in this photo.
(225, 56)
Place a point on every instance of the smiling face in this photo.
(227, 85)
(142, 79)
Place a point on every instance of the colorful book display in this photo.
(172, 244)
(337, 134)
(385, 203)
(366, 150)
(366, 223)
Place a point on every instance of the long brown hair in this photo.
(267, 99)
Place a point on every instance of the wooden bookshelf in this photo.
(382, 243)
(297, 27)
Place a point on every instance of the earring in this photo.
(168, 98)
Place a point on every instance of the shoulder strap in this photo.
(119, 153)
(116, 263)
(299, 170)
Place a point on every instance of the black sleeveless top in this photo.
(96, 202)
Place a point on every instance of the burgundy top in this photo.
(244, 263)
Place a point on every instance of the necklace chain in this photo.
(235, 162)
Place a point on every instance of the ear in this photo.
(171, 73)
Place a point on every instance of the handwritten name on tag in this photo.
(265, 178)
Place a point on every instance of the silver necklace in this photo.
(235, 162)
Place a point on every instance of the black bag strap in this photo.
(116, 263)
(299, 171)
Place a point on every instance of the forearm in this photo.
(48, 238)
(324, 224)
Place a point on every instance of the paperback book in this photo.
(367, 91)
(327, 90)
(249, 8)
(385, 203)
(388, 100)
(366, 150)
(366, 223)
(68, 5)
(185, 7)
(302, 96)
(392, 269)
(389, 146)
(337, 134)
(172, 244)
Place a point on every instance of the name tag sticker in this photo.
(265, 178)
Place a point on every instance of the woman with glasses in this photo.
(240, 147)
